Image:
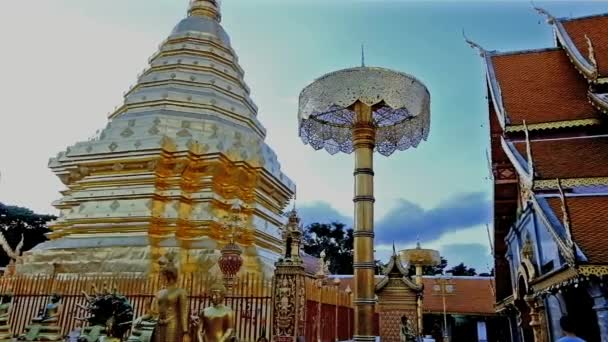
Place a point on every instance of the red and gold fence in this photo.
(334, 307)
(250, 299)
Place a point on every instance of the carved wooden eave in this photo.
(566, 248)
(570, 183)
(529, 181)
(395, 265)
(554, 279)
(505, 304)
(593, 270)
(599, 101)
(526, 174)
(555, 124)
(495, 93)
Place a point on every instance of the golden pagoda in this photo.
(164, 172)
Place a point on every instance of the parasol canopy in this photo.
(400, 109)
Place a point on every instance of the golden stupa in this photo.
(163, 172)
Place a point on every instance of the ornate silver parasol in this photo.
(399, 103)
(363, 109)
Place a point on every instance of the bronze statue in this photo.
(406, 331)
(50, 313)
(167, 316)
(143, 327)
(109, 316)
(6, 300)
(216, 323)
(44, 327)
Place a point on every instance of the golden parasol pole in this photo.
(364, 138)
(353, 110)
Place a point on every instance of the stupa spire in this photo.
(205, 8)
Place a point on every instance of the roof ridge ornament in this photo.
(473, 45)
(566, 220)
(564, 205)
(529, 151)
(550, 18)
(591, 52)
(205, 8)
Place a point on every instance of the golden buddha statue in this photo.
(216, 323)
(172, 306)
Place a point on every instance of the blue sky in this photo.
(74, 58)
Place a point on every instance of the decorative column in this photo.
(289, 286)
(420, 258)
(537, 318)
(363, 110)
(600, 306)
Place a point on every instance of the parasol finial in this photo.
(362, 55)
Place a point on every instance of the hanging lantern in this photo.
(230, 262)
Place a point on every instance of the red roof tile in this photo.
(311, 263)
(588, 222)
(541, 86)
(472, 295)
(596, 28)
(568, 158)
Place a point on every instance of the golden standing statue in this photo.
(172, 307)
(167, 316)
(216, 323)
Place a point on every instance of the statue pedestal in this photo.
(41, 331)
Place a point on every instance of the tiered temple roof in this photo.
(587, 217)
(539, 86)
(548, 127)
(469, 296)
(575, 157)
(162, 173)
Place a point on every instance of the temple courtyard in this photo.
(386, 171)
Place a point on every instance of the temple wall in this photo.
(394, 301)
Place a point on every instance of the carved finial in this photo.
(591, 52)
(550, 19)
(472, 44)
(529, 150)
(490, 239)
(206, 9)
(362, 55)
(565, 212)
(13, 254)
(490, 166)
(394, 249)
(418, 242)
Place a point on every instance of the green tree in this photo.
(16, 222)
(462, 270)
(431, 270)
(337, 241)
(485, 274)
